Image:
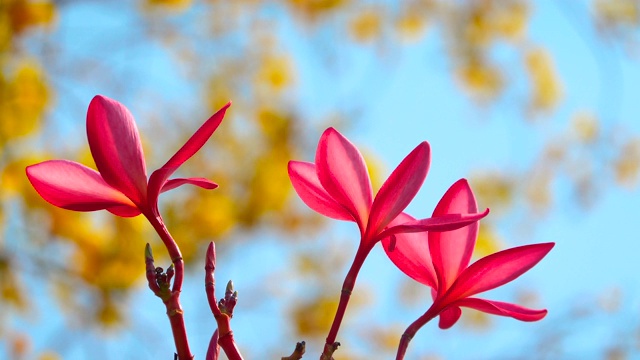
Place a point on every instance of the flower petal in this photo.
(503, 309)
(451, 251)
(449, 316)
(497, 269)
(116, 147)
(343, 174)
(159, 177)
(439, 223)
(200, 182)
(399, 189)
(304, 179)
(73, 186)
(198, 139)
(124, 211)
(410, 253)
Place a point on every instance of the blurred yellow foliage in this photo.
(11, 292)
(49, 355)
(108, 313)
(105, 252)
(477, 24)
(411, 26)
(475, 320)
(201, 217)
(488, 21)
(618, 11)
(315, 317)
(627, 164)
(586, 127)
(386, 339)
(23, 100)
(488, 241)
(538, 191)
(27, 13)
(375, 168)
(545, 91)
(414, 293)
(493, 190)
(366, 25)
(171, 4)
(314, 8)
(276, 72)
(510, 20)
(481, 79)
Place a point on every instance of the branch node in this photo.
(297, 352)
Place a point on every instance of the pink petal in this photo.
(159, 177)
(200, 182)
(124, 211)
(304, 179)
(399, 189)
(440, 223)
(451, 251)
(343, 174)
(410, 253)
(503, 309)
(198, 139)
(497, 269)
(449, 316)
(116, 147)
(73, 186)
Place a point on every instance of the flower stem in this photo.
(223, 335)
(172, 302)
(411, 331)
(345, 295)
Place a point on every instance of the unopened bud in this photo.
(148, 255)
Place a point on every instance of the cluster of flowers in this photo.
(434, 251)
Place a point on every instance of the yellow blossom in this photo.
(366, 26)
(545, 88)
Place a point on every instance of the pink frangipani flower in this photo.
(120, 185)
(338, 186)
(440, 260)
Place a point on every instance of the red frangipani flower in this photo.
(440, 260)
(121, 185)
(338, 186)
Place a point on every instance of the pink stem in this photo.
(411, 331)
(172, 248)
(228, 344)
(347, 288)
(225, 335)
(174, 309)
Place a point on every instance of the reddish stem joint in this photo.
(297, 352)
(159, 281)
(329, 349)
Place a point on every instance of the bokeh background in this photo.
(536, 103)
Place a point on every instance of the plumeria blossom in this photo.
(338, 186)
(120, 185)
(440, 260)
